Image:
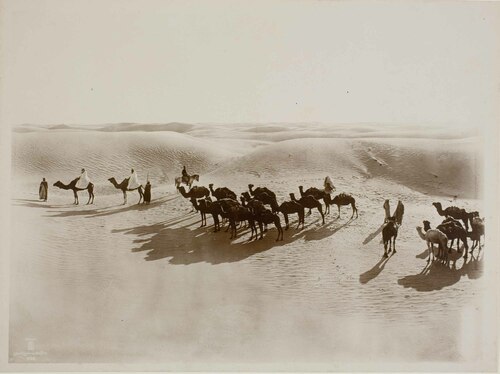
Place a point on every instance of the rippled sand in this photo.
(114, 283)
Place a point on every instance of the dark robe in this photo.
(147, 193)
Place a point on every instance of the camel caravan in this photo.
(258, 207)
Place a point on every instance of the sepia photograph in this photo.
(295, 185)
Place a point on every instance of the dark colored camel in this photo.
(259, 190)
(239, 213)
(123, 186)
(263, 197)
(266, 217)
(345, 199)
(389, 235)
(309, 202)
(455, 212)
(72, 186)
(476, 233)
(318, 195)
(291, 207)
(221, 192)
(201, 208)
(452, 231)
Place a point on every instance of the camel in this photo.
(197, 192)
(309, 202)
(206, 206)
(123, 186)
(72, 186)
(476, 233)
(221, 192)
(318, 195)
(291, 207)
(345, 199)
(214, 208)
(453, 231)
(239, 213)
(263, 197)
(187, 181)
(203, 212)
(387, 210)
(455, 212)
(432, 237)
(389, 235)
(259, 190)
(267, 217)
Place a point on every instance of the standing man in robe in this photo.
(43, 190)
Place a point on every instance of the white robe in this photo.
(84, 180)
(329, 185)
(133, 182)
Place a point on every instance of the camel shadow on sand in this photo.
(185, 245)
(436, 275)
(375, 270)
(373, 235)
(110, 210)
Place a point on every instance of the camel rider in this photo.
(83, 180)
(185, 175)
(133, 181)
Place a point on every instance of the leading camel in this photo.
(123, 186)
(72, 186)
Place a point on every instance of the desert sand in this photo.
(113, 283)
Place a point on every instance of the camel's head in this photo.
(437, 205)
(211, 185)
(57, 184)
(292, 196)
(301, 188)
(250, 186)
(427, 225)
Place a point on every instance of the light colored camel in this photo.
(432, 237)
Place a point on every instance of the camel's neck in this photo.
(183, 192)
(420, 233)
(439, 209)
(211, 189)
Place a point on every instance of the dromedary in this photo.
(72, 186)
(259, 190)
(309, 202)
(389, 235)
(455, 212)
(123, 186)
(291, 207)
(345, 199)
(318, 194)
(432, 237)
(221, 192)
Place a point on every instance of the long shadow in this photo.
(373, 235)
(375, 270)
(436, 275)
(185, 245)
(107, 211)
(35, 204)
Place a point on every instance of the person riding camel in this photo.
(83, 180)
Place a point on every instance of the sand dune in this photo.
(133, 283)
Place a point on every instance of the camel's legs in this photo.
(124, 197)
(338, 206)
(286, 220)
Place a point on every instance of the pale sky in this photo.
(92, 62)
